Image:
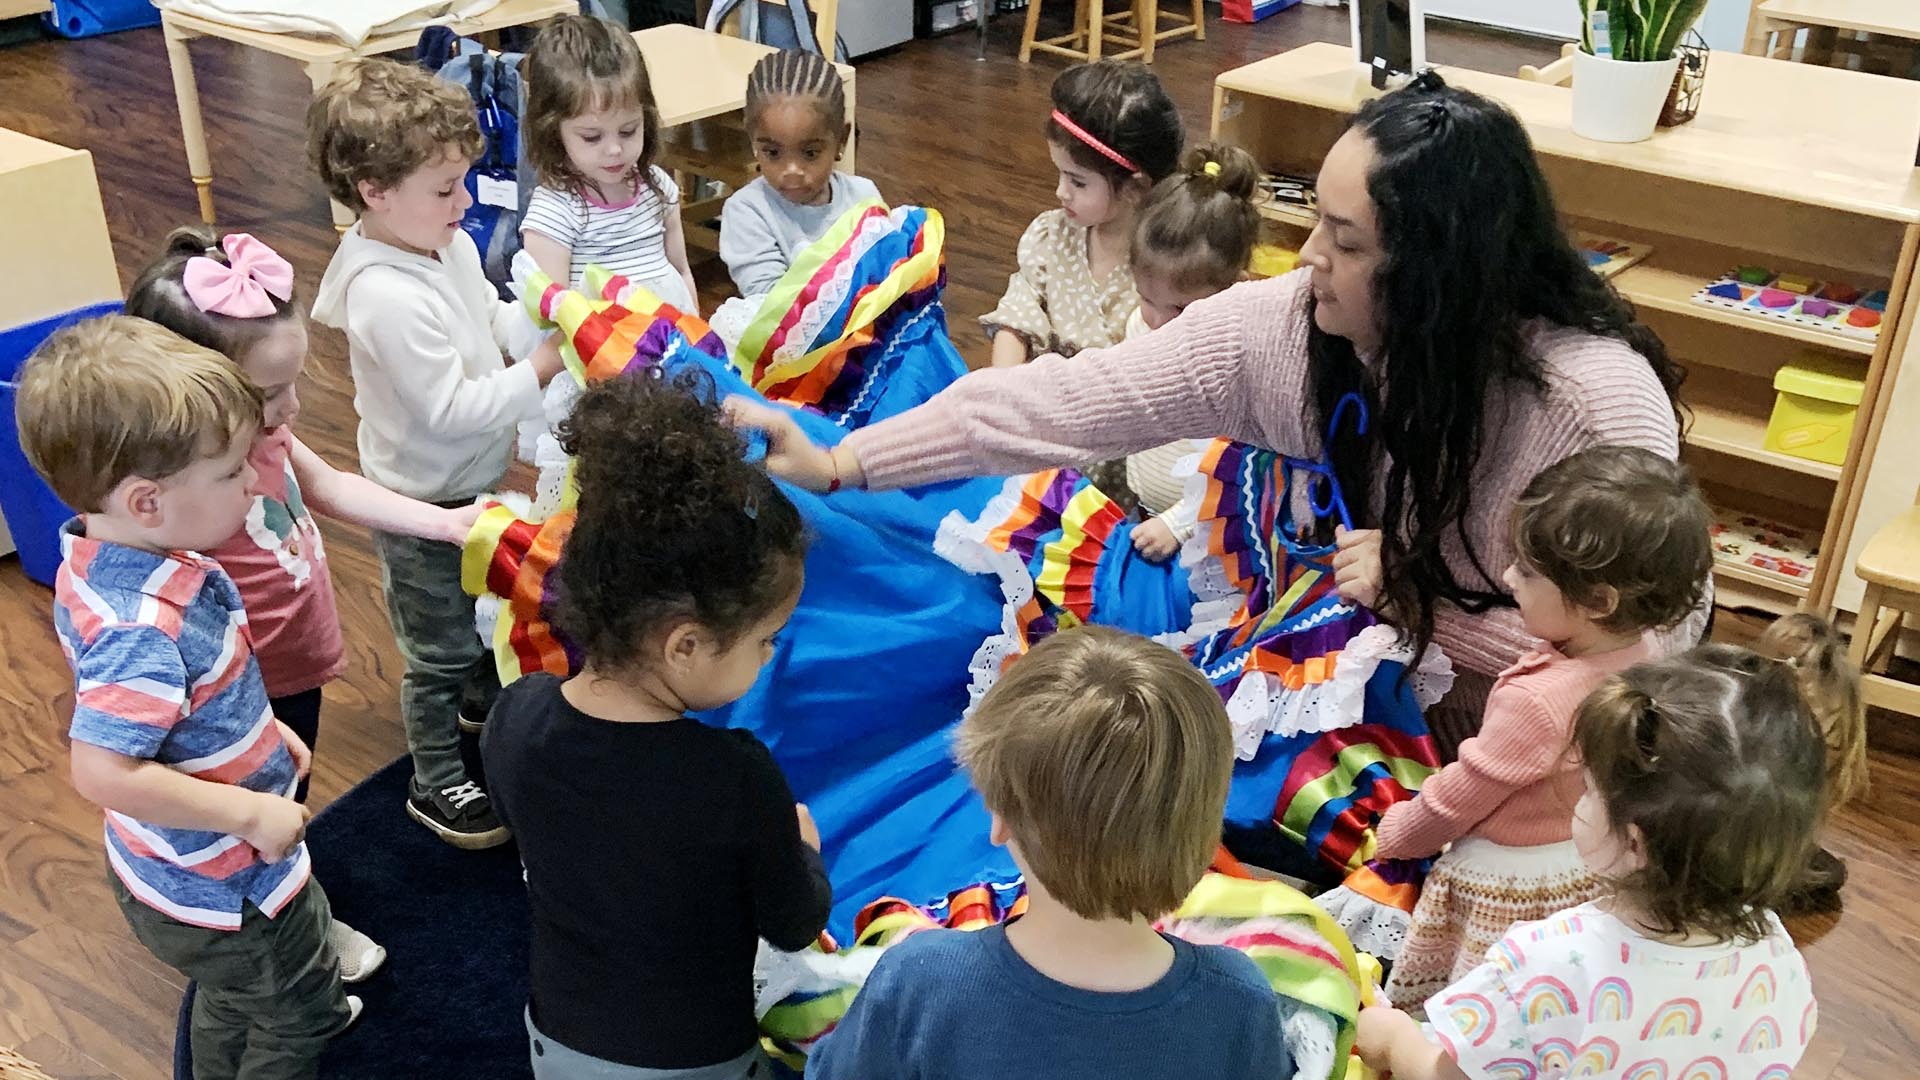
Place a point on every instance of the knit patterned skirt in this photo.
(1472, 897)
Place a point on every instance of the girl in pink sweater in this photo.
(1439, 286)
(1609, 544)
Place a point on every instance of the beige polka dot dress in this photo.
(1052, 300)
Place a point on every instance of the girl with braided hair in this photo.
(797, 120)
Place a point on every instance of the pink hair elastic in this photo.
(1101, 148)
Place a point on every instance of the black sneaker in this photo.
(461, 815)
(473, 718)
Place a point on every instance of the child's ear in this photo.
(997, 832)
(683, 643)
(138, 500)
(372, 196)
(846, 139)
(1604, 601)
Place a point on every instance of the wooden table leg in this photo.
(193, 135)
(320, 74)
(853, 129)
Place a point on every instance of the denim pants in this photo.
(268, 995)
(447, 664)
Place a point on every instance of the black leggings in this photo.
(301, 712)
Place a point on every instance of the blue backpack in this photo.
(499, 182)
(783, 24)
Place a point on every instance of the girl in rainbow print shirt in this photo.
(1706, 780)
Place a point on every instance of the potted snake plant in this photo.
(1625, 64)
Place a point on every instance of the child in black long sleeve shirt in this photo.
(658, 849)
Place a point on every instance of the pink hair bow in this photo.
(245, 286)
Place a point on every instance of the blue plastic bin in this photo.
(33, 514)
(87, 18)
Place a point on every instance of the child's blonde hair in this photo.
(809, 77)
(380, 121)
(1818, 656)
(117, 397)
(578, 64)
(1714, 762)
(1619, 518)
(1199, 226)
(1108, 757)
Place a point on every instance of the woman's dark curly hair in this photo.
(673, 523)
(1474, 251)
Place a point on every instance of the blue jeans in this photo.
(552, 1061)
(447, 663)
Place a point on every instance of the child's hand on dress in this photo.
(279, 824)
(1357, 569)
(1155, 541)
(809, 832)
(546, 360)
(1380, 1027)
(459, 522)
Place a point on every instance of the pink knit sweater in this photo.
(1517, 780)
(1235, 365)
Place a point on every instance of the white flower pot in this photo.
(1619, 100)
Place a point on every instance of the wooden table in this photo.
(697, 76)
(1789, 166)
(316, 56)
(1825, 19)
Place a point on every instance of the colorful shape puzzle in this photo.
(1760, 544)
(1834, 306)
(1606, 256)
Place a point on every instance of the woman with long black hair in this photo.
(1439, 286)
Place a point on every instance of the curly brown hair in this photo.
(673, 522)
(579, 64)
(1619, 518)
(1715, 762)
(380, 121)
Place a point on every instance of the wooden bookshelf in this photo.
(1798, 168)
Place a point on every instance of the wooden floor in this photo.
(936, 127)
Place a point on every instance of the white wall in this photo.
(1724, 25)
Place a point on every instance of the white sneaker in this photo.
(359, 956)
(354, 1009)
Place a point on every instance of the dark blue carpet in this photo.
(448, 1002)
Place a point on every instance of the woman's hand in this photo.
(1155, 541)
(809, 832)
(1357, 570)
(792, 456)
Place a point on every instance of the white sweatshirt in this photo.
(436, 399)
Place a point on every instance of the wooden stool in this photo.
(1134, 30)
(1890, 565)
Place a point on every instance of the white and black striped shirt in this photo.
(630, 239)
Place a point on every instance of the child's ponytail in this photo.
(1831, 688)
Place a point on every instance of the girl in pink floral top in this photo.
(236, 297)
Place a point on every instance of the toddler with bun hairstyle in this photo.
(1705, 779)
(674, 583)
(1192, 239)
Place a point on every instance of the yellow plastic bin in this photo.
(1813, 412)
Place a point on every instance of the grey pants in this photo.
(447, 663)
(552, 1061)
(268, 995)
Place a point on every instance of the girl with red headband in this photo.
(1113, 134)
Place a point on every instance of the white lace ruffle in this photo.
(1312, 1037)
(1262, 704)
(731, 319)
(778, 975)
(963, 543)
(1373, 927)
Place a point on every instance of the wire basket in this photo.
(1683, 101)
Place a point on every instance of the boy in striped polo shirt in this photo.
(148, 436)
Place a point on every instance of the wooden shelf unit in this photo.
(1802, 169)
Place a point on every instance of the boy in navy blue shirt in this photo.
(1104, 759)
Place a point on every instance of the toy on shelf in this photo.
(1608, 257)
(1834, 306)
(1759, 544)
(1287, 189)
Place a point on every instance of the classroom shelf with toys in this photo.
(1771, 243)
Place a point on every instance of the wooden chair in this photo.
(1890, 566)
(1558, 73)
(1096, 34)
